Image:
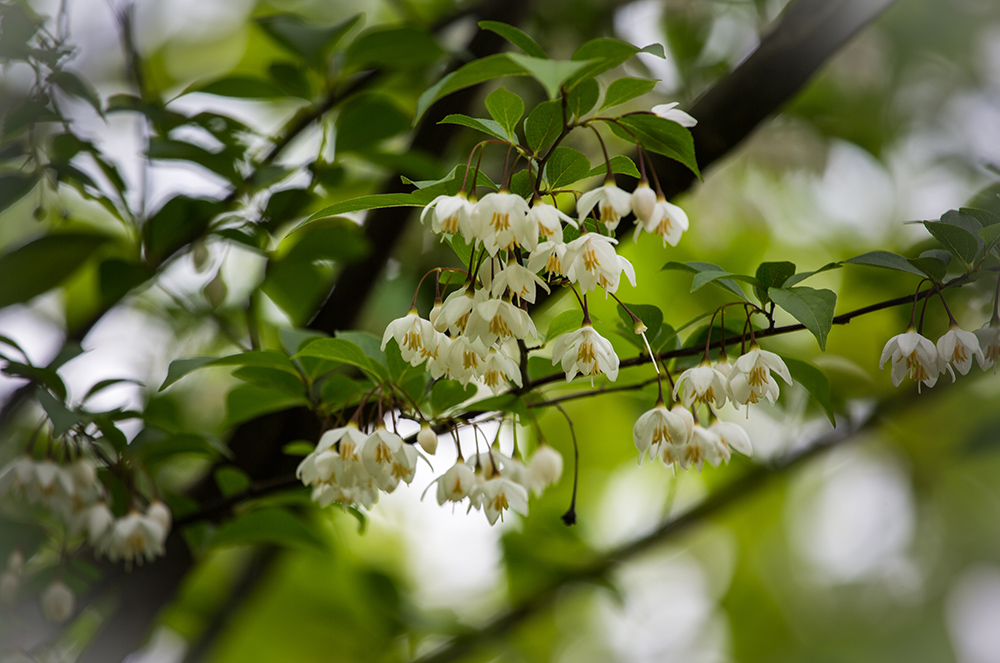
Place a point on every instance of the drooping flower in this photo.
(591, 261)
(750, 377)
(58, 602)
(134, 538)
(912, 354)
(521, 282)
(451, 215)
(702, 384)
(659, 427)
(413, 334)
(427, 438)
(549, 220)
(456, 484)
(674, 453)
(455, 311)
(498, 319)
(465, 356)
(388, 459)
(669, 112)
(503, 221)
(704, 445)
(498, 369)
(733, 436)
(497, 495)
(545, 468)
(667, 220)
(548, 257)
(957, 347)
(643, 201)
(587, 352)
(989, 343)
(612, 204)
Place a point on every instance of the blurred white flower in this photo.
(58, 602)
(989, 343)
(670, 112)
(958, 347)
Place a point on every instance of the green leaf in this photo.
(298, 448)
(650, 315)
(43, 264)
(303, 38)
(619, 164)
(626, 89)
(654, 49)
(959, 241)
(506, 108)
(231, 480)
(249, 401)
(795, 279)
(343, 351)
(473, 73)
(933, 267)
(698, 267)
(73, 85)
(117, 277)
(276, 378)
(61, 417)
(402, 47)
(446, 394)
(661, 136)
(703, 278)
(338, 390)
(489, 127)
(238, 87)
(100, 386)
(603, 54)
(272, 526)
(44, 376)
(221, 163)
(564, 322)
(582, 98)
(13, 187)
(815, 382)
(550, 73)
(290, 79)
(180, 221)
(543, 124)
(154, 446)
(565, 166)
(368, 119)
(375, 201)
(261, 358)
(772, 275)
(887, 260)
(983, 216)
(450, 183)
(520, 184)
(990, 236)
(515, 36)
(813, 308)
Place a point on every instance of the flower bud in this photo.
(638, 327)
(427, 439)
(546, 468)
(99, 521)
(84, 473)
(643, 201)
(9, 584)
(160, 514)
(58, 602)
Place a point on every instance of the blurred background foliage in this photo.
(882, 548)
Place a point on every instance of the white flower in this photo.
(912, 354)
(503, 222)
(668, 112)
(549, 220)
(612, 204)
(733, 436)
(58, 602)
(497, 495)
(134, 538)
(750, 377)
(427, 438)
(99, 522)
(704, 383)
(437, 359)
(989, 343)
(587, 352)
(451, 214)
(958, 347)
(666, 220)
(659, 427)
(158, 512)
(498, 370)
(465, 356)
(643, 201)
(497, 319)
(704, 445)
(345, 441)
(591, 261)
(548, 257)
(388, 459)
(673, 453)
(519, 280)
(455, 311)
(412, 333)
(456, 484)
(545, 469)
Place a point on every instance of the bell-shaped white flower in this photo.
(498, 369)
(670, 112)
(159, 513)
(58, 602)
(465, 358)
(342, 442)
(100, 520)
(498, 319)
(643, 201)
(702, 384)
(455, 310)
(913, 355)
(612, 204)
(667, 220)
(733, 436)
(704, 445)
(750, 377)
(499, 494)
(591, 261)
(456, 484)
(412, 333)
(958, 347)
(388, 459)
(451, 215)
(135, 538)
(674, 453)
(545, 468)
(548, 257)
(427, 438)
(521, 282)
(503, 222)
(989, 343)
(549, 220)
(659, 427)
(587, 352)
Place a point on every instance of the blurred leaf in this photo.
(100, 386)
(43, 264)
(515, 36)
(815, 382)
(626, 89)
(813, 308)
(13, 187)
(61, 417)
(659, 135)
(619, 164)
(488, 127)
(472, 73)
(261, 358)
(274, 525)
(582, 98)
(565, 166)
(154, 446)
(550, 73)
(983, 216)
(990, 236)
(290, 79)
(366, 120)
(403, 47)
(302, 38)
(446, 394)
(239, 87)
(75, 86)
(231, 480)
(117, 277)
(543, 124)
(506, 108)
(249, 401)
(180, 221)
(221, 163)
(375, 201)
(272, 377)
(284, 206)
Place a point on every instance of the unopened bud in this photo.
(159, 513)
(58, 602)
(638, 327)
(427, 439)
(643, 201)
(546, 467)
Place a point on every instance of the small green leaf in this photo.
(473, 73)
(983, 216)
(887, 260)
(699, 267)
(564, 322)
(543, 124)
(343, 351)
(703, 278)
(271, 526)
(249, 401)
(398, 47)
(238, 87)
(231, 480)
(990, 236)
(304, 39)
(813, 308)
(772, 275)
(959, 241)
(489, 127)
(73, 85)
(298, 448)
(582, 98)
(550, 73)
(262, 358)
(626, 89)
(100, 386)
(13, 187)
(446, 394)
(221, 163)
(376, 201)
(601, 55)
(619, 164)
(565, 166)
(506, 108)
(933, 267)
(366, 120)
(659, 135)
(515, 36)
(61, 417)
(43, 264)
(795, 279)
(815, 382)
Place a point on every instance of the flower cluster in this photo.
(918, 357)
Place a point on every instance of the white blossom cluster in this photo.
(924, 361)
(73, 493)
